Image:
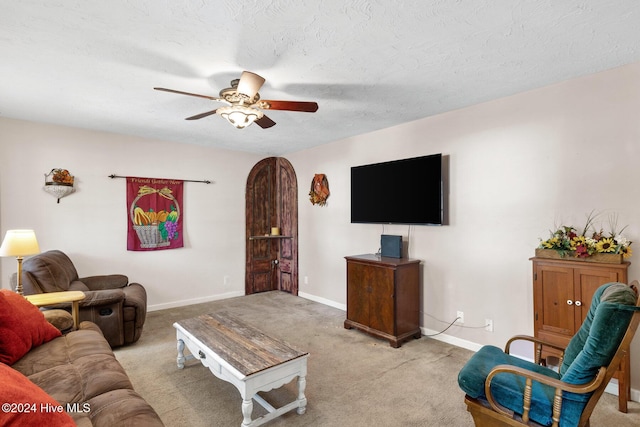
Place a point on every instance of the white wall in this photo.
(90, 225)
(519, 166)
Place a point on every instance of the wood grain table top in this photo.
(243, 346)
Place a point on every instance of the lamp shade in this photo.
(19, 243)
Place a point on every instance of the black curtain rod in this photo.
(206, 181)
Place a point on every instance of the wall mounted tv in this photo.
(407, 191)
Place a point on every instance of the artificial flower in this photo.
(566, 240)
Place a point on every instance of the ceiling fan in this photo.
(244, 104)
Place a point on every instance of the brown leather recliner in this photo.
(118, 307)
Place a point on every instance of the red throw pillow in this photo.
(22, 327)
(26, 404)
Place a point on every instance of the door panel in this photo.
(271, 201)
(589, 280)
(262, 282)
(358, 289)
(556, 285)
(382, 297)
(287, 208)
(260, 193)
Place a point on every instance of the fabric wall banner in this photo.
(154, 214)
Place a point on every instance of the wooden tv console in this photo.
(383, 297)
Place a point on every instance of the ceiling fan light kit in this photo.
(239, 115)
(244, 104)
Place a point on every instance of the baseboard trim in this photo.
(324, 301)
(182, 303)
(612, 388)
(458, 342)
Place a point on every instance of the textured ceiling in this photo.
(369, 64)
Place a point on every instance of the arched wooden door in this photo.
(271, 201)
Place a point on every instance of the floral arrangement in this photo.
(567, 240)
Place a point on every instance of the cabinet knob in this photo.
(578, 303)
(569, 302)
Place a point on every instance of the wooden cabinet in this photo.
(383, 297)
(562, 292)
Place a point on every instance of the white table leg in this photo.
(247, 411)
(181, 359)
(302, 400)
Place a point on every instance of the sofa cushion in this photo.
(109, 281)
(600, 334)
(30, 402)
(22, 327)
(69, 349)
(619, 293)
(122, 407)
(607, 330)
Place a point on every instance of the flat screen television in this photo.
(407, 191)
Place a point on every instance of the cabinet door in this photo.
(588, 280)
(553, 303)
(358, 284)
(381, 299)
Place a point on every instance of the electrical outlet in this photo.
(460, 316)
(226, 280)
(488, 325)
(306, 280)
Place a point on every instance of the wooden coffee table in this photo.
(245, 357)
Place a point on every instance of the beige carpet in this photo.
(353, 379)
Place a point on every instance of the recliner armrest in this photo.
(107, 281)
(135, 295)
(105, 297)
(61, 319)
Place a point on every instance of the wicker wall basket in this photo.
(571, 256)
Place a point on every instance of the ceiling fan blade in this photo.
(265, 122)
(307, 107)
(187, 93)
(249, 84)
(201, 115)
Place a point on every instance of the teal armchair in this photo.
(504, 390)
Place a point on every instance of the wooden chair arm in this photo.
(531, 376)
(538, 346)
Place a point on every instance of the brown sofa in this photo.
(118, 307)
(80, 371)
(51, 379)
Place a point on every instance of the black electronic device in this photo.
(407, 191)
(391, 246)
